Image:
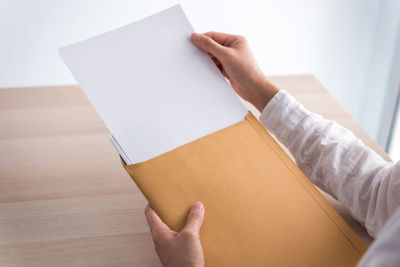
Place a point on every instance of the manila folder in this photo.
(260, 209)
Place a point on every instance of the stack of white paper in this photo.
(152, 87)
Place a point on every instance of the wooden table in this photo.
(65, 200)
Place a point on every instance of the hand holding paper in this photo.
(152, 87)
(233, 56)
(169, 109)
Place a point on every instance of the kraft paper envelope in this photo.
(260, 209)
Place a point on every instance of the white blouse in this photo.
(341, 165)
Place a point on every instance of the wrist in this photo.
(264, 92)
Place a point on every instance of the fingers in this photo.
(222, 38)
(195, 218)
(207, 44)
(157, 226)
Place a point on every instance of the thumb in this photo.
(195, 218)
(207, 44)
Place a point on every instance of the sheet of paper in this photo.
(152, 87)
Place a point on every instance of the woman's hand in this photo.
(181, 249)
(232, 55)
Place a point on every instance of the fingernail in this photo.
(198, 205)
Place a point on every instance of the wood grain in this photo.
(65, 199)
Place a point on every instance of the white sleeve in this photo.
(384, 251)
(336, 161)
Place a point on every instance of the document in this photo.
(154, 90)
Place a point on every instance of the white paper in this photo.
(152, 87)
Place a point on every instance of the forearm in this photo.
(263, 91)
(331, 156)
(335, 160)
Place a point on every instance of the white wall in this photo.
(333, 39)
(382, 81)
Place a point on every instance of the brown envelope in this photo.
(260, 209)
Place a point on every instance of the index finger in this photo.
(155, 223)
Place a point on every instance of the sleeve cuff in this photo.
(282, 114)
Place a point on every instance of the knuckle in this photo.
(207, 41)
(230, 53)
(188, 235)
(241, 38)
